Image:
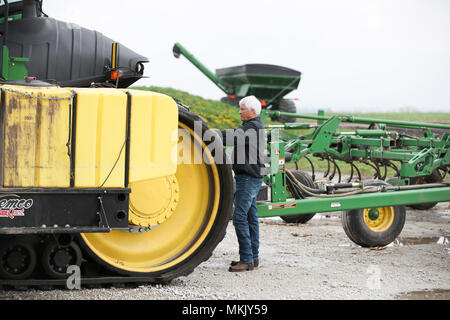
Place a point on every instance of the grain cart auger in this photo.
(269, 83)
(373, 210)
(90, 177)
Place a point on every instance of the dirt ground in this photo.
(311, 261)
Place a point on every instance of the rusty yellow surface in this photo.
(36, 131)
(37, 125)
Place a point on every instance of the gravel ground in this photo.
(311, 261)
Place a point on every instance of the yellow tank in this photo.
(38, 133)
(35, 134)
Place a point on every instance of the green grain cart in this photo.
(269, 83)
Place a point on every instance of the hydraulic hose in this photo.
(322, 194)
(319, 194)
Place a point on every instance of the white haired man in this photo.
(248, 160)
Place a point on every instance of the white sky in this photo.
(354, 55)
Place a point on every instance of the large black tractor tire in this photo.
(285, 105)
(374, 227)
(434, 177)
(188, 237)
(305, 179)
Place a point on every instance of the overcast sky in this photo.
(354, 55)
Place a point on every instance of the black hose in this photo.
(311, 192)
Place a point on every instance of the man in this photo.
(248, 160)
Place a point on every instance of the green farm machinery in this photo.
(408, 168)
(269, 83)
(408, 171)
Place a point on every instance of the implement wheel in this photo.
(196, 206)
(374, 227)
(305, 179)
(285, 105)
(434, 177)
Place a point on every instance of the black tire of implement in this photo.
(31, 263)
(357, 230)
(214, 237)
(305, 179)
(434, 177)
(285, 105)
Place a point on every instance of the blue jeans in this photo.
(245, 217)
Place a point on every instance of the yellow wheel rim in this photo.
(147, 213)
(178, 236)
(379, 219)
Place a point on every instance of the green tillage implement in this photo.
(373, 211)
(269, 83)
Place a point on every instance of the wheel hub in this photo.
(62, 258)
(15, 260)
(374, 214)
(153, 201)
(379, 219)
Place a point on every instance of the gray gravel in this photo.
(311, 261)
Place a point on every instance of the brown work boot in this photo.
(240, 267)
(255, 263)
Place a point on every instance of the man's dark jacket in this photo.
(249, 139)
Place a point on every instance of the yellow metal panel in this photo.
(36, 132)
(100, 138)
(153, 135)
(35, 136)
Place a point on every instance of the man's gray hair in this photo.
(252, 103)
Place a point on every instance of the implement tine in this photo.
(339, 172)
(312, 168)
(331, 177)
(351, 173)
(328, 168)
(377, 174)
(357, 171)
(393, 166)
(377, 168)
(385, 171)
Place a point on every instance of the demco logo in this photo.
(12, 206)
